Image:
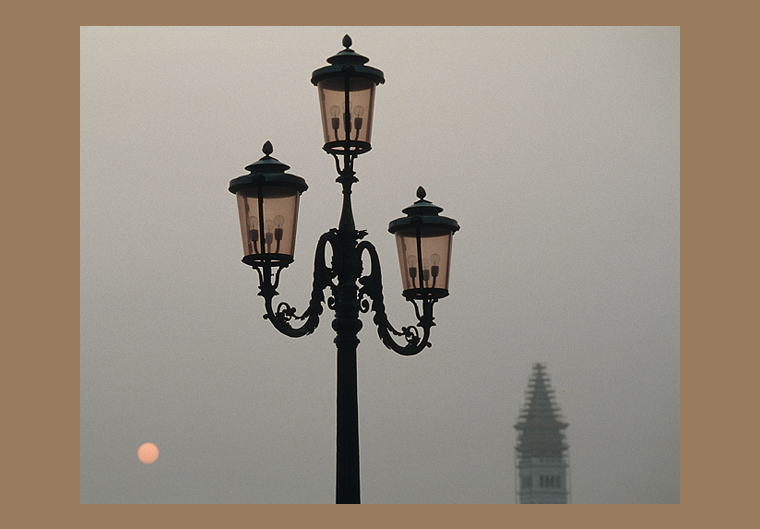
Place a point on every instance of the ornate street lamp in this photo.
(268, 199)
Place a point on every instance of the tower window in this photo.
(549, 482)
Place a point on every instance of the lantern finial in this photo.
(347, 41)
(268, 149)
(421, 193)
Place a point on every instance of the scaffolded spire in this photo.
(541, 448)
(540, 426)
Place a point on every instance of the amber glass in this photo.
(424, 264)
(332, 100)
(268, 226)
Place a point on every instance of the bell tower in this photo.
(541, 450)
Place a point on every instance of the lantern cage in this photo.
(424, 239)
(268, 200)
(347, 101)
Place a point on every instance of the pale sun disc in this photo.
(147, 453)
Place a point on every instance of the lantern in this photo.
(347, 100)
(424, 241)
(268, 201)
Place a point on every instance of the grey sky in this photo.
(557, 151)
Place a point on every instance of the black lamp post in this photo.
(268, 199)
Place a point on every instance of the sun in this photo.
(147, 453)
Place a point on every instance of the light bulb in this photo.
(335, 113)
(253, 228)
(253, 234)
(268, 234)
(434, 269)
(358, 120)
(412, 261)
(279, 220)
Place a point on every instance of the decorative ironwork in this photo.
(372, 287)
(369, 298)
(281, 318)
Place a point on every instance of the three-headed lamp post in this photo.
(268, 199)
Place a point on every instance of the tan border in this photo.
(42, 399)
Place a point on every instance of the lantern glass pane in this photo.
(268, 226)
(332, 100)
(432, 255)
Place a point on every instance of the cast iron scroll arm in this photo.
(372, 287)
(282, 317)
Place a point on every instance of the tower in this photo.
(541, 450)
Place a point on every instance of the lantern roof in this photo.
(347, 61)
(423, 213)
(268, 171)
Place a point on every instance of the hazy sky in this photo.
(557, 151)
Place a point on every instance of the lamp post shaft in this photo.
(347, 326)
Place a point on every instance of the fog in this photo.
(556, 149)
